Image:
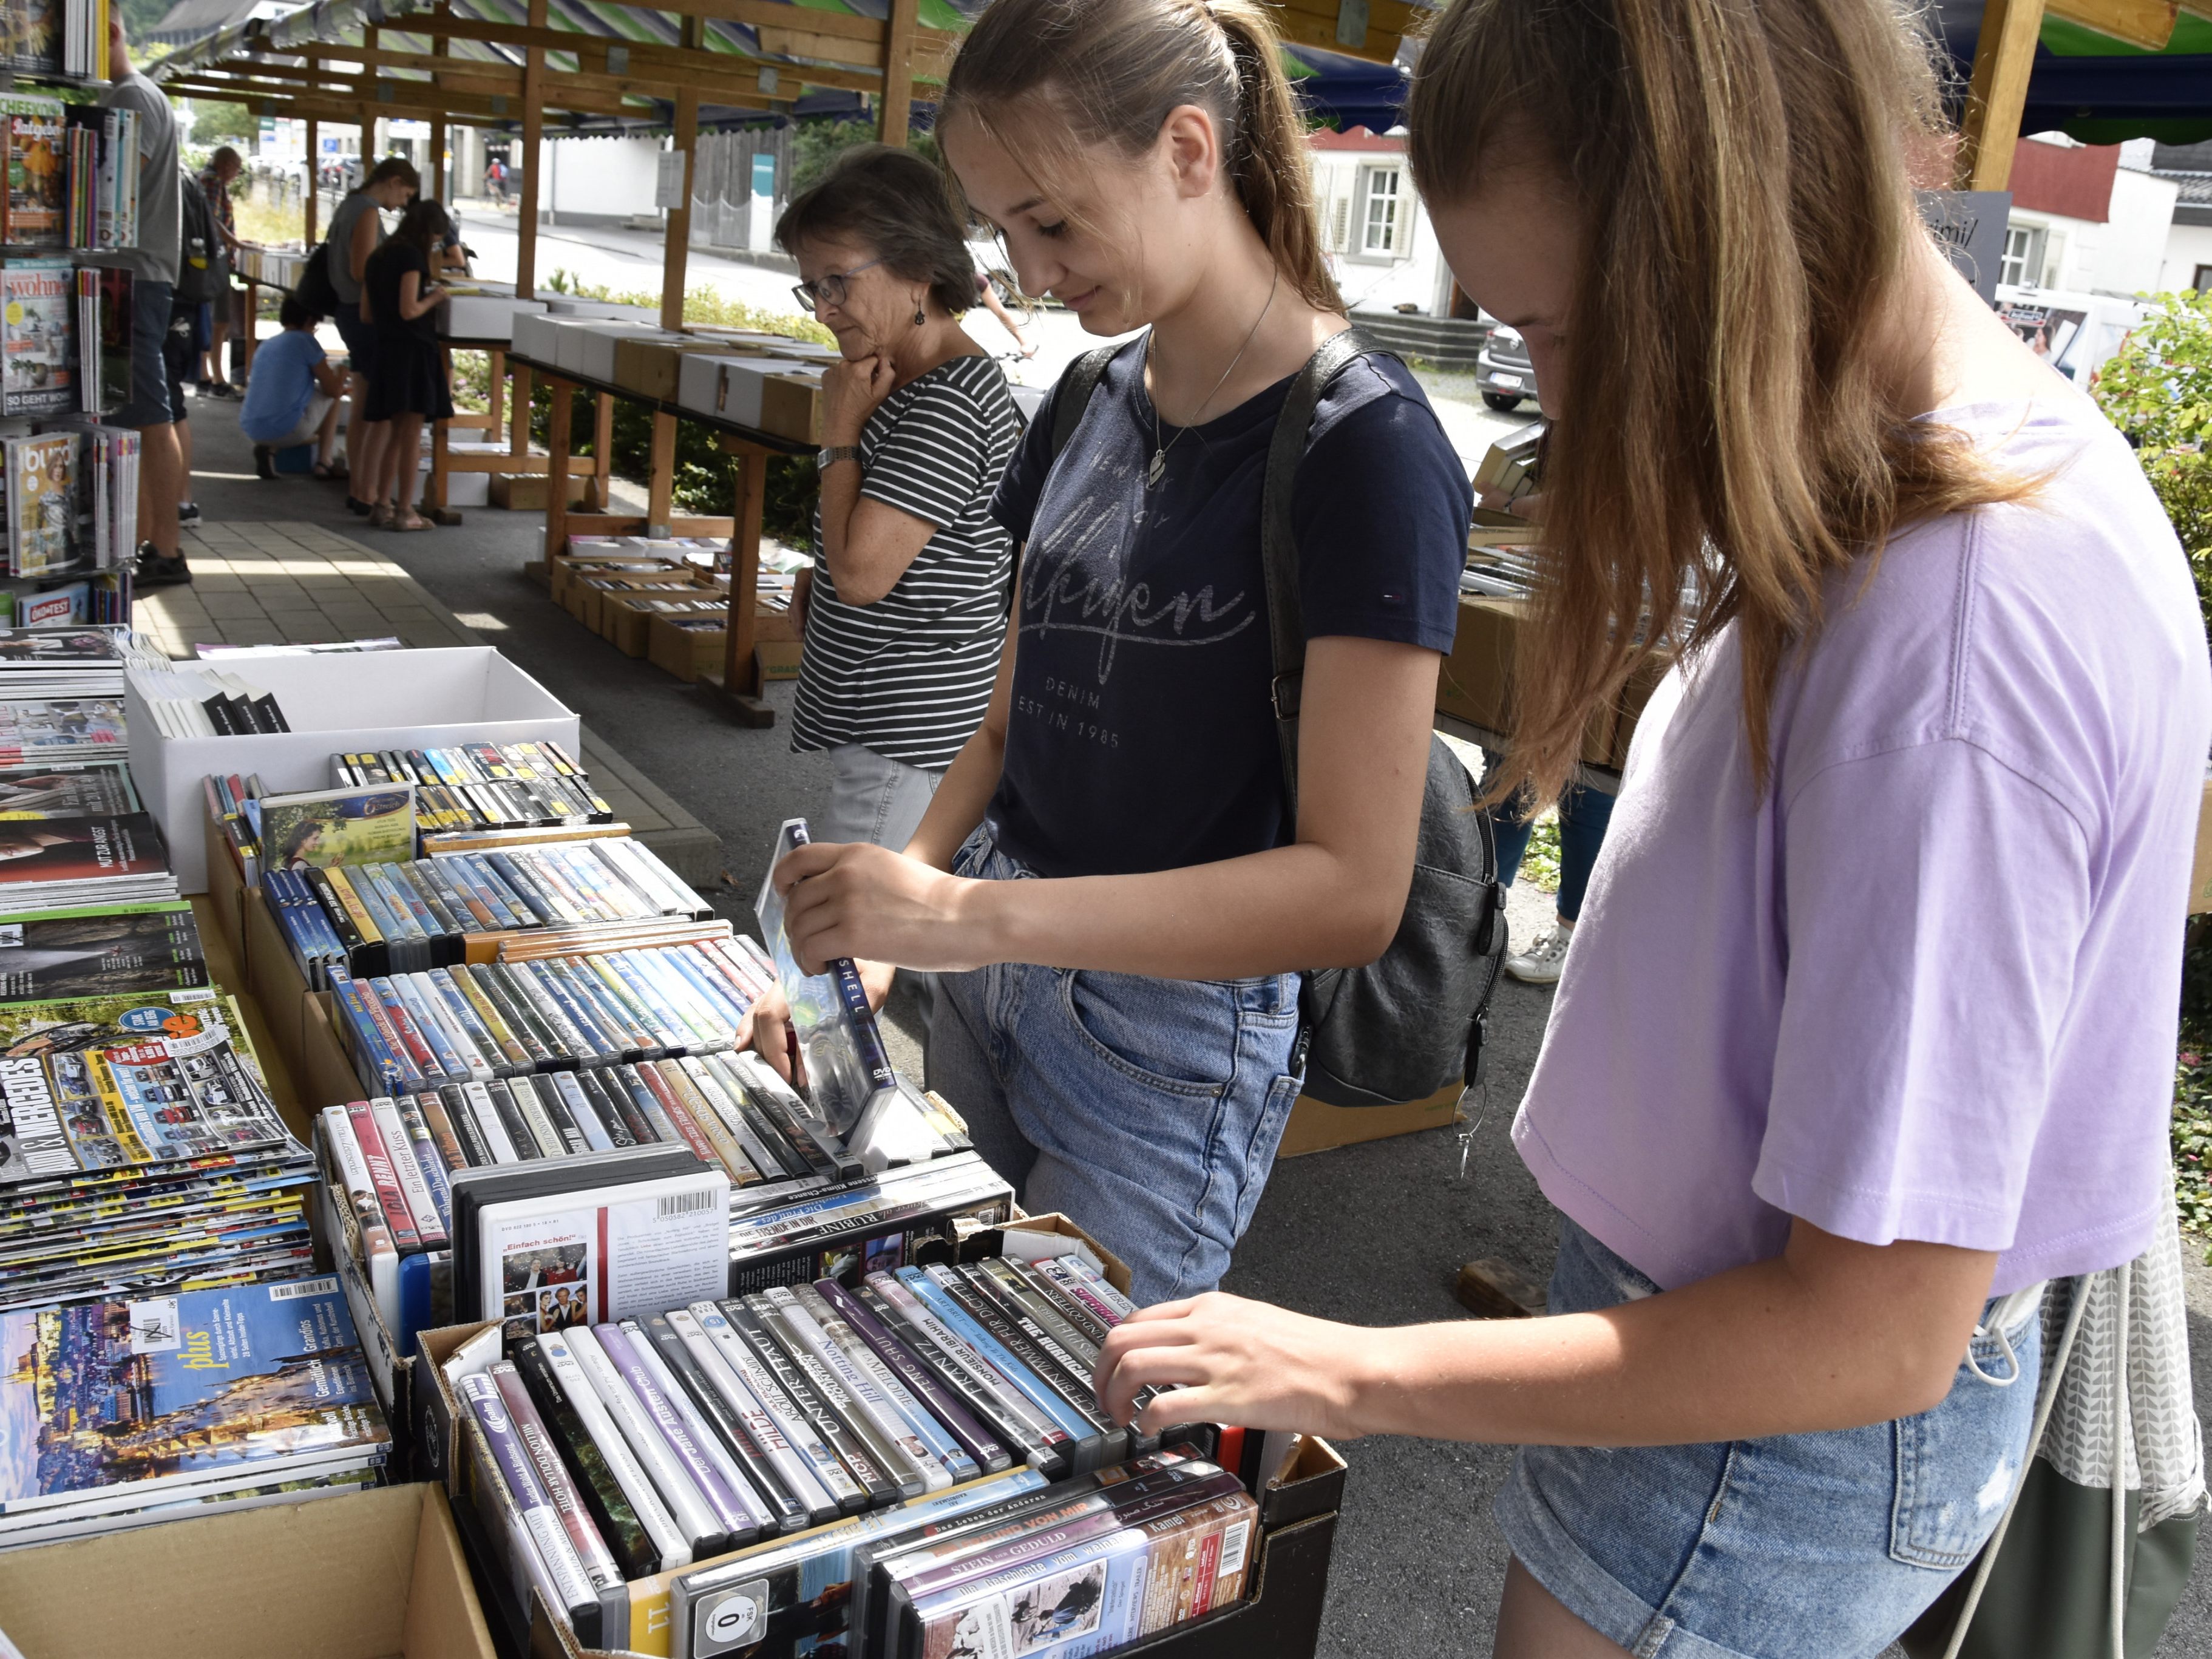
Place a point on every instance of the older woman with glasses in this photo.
(904, 610)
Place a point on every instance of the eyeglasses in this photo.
(829, 289)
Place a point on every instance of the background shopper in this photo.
(1868, 1028)
(293, 398)
(407, 374)
(356, 231)
(1121, 1041)
(904, 610)
(213, 184)
(153, 267)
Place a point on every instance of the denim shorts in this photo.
(1146, 1111)
(149, 375)
(1800, 1547)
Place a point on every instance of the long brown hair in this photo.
(1740, 175)
(1109, 71)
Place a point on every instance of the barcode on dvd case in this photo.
(305, 1287)
(675, 1204)
(1232, 1548)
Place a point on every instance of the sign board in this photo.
(1970, 227)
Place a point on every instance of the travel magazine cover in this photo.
(198, 1389)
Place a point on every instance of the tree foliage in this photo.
(213, 123)
(2159, 391)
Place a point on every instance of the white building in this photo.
(1381, 247)
(2189, 245)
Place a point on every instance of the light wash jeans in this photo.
(1822, 1546)
(873, 797)
(1146, 1111)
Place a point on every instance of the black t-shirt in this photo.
(380, 282)
(1141, 736)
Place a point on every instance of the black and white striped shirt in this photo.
(910, 676)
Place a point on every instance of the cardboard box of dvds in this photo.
(335, 702)
(687, 646)
(367, 1575)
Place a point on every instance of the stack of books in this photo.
(201, 702)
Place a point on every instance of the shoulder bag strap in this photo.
(1069, 403)
(1279, 541)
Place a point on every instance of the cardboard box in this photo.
(791, 406)
(369, 1575)
(590, 351)
(652, 368)
(624, 624)
(537, 334)
(419, 699)
(1318, 1127)
(729, 385)
(2200, 874)
(686, 653)
(1476, 681)
(573, 306)
(528, 492)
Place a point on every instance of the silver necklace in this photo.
(1158, 468)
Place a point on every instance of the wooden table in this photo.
(744, 683)
(516, 458)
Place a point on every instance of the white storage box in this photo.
(699, 379)
(537, 334)
(735, 392)
(564, 305)
(338, 702)
(591, 352)
(483, 316)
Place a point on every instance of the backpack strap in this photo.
(1279, 540)
(1072, 397)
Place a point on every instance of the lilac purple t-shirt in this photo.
(1923, 985)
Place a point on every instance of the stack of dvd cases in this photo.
(482, 786)
(881, 1459)
(376, 919)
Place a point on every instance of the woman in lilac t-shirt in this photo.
(1867, 1030)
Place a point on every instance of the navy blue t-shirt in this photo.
(1141, 737)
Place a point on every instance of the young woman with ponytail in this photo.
(1867, 1030)
(1108, 871)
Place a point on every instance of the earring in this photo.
(920, 316)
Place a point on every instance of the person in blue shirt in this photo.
(1110, 878)
(293, 398)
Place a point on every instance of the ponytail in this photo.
(1109, 72)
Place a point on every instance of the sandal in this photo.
(412, 521)
(380, 517)
(353, 505)
(322, 470)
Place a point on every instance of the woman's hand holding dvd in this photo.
(853, 899)
(1226, 1359)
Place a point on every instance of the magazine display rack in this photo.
(68, 485)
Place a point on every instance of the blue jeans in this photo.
(1146, 1111)
(1583, 815)
(149, 380)
(1822, 1546)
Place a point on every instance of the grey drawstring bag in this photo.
(2092, 1551)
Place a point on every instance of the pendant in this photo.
(1159, 466)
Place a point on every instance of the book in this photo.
(199, 1391)
(38, 338)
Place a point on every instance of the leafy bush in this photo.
(2159, 391)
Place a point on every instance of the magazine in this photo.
(38, 338)
(42, 490)
(32, 212)
(34, 37)
(179, 1391)
(33, 733)
(66, 791)
(89, 953)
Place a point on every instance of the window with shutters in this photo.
(1379, 225)
(1339, 222)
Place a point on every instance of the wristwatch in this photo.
(823, 458)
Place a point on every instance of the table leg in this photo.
(557, 460)
(434, 506)
(742, 681)
(660, 490)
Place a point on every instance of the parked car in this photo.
(1503, 370)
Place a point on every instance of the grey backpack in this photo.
(1412, 1022)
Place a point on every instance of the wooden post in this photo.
(436, 188)
(556, 459)
(660, 487)
(533, 127)
(368, 36)
(895, 104)
(742, 681)
(676, 247)
(603, 454)
(2004, 57)
(314, 183)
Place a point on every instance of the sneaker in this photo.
(188, 514)
(1543, 961)
(228, 392)
(154, 570)
(264, 461)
